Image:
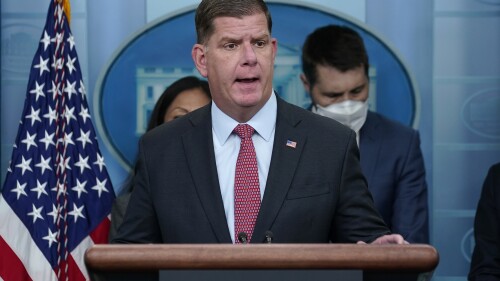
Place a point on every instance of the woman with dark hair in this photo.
(183, 96)
(178, 99)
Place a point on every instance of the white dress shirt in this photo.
(227, 147)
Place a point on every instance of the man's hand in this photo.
(388, 239)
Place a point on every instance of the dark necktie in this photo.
(246, 184)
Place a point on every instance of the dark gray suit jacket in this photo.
(485, 263)
(315, 193)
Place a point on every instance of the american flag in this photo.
(57, 195)
(291, 144)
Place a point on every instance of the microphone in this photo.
(243, 237)
(269, 236)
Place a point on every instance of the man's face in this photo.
(333, 86)
(238, 61)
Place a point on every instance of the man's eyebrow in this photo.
(359, 87)
(331, 94)
(228, 38)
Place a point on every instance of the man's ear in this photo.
(305, 82)
(199, 58)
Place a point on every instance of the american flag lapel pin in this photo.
(291, 144)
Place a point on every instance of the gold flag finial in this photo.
(67, 9)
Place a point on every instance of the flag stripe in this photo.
(78, 255)
(100, 234)
(10, 266)
(16, 236)
(76, 272)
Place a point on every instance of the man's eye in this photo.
(260, 43)
(230, 46)
(357, 90)
(333, 95)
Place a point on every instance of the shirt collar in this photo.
(263, 121)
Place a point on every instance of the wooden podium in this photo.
(155, 261)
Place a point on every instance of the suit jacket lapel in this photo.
(199, 148)
(369, 145)
(282, 168)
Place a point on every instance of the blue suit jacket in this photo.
(315, 192)
(393, 165)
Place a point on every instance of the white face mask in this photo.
(350, 113)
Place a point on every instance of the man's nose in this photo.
(343, 97)
(249, 55)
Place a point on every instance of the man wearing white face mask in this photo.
(335, 74)
(351, 113)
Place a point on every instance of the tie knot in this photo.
(244, 131)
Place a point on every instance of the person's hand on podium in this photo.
(388, 239)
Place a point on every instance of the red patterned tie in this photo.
(246, 184)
